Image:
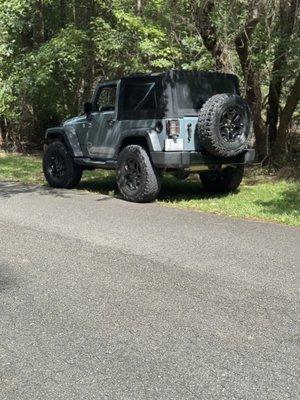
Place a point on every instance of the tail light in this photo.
(172, 127)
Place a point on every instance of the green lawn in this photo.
(260, 197)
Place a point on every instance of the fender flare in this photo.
(150, 137)
(69, 138)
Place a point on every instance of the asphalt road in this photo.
(103, 299)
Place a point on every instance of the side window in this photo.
(139, 97)
(106, 99)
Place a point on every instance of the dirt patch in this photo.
(289, 173)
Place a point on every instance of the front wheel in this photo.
(224, 181)
(138, 180)
(59, 168)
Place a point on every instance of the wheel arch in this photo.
(69, 139)
(135, 139)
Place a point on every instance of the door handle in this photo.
(110, 121)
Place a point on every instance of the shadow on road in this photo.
(9, 189)
(172, 189)
(175, 190)
(6, 280)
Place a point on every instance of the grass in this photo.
(259, 197)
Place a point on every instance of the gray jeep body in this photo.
(139, 112)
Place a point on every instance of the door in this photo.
(100, 143)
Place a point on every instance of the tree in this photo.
(253, 34)
(279, 147)
(285, 27)
(251, 74)
(210, 37)
(52, 52)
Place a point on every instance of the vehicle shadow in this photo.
(10, 189)
(101, 185)
(172, 189)
(175, 190)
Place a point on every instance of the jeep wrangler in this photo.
(145, 125)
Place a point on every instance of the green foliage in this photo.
(43, 81)
(52, 52)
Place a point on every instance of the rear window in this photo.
(139, 97)
(194, 91)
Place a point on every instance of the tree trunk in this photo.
(78, 13)
(279, 149)
(138, 7)
(209, 36)
(252, 78)
(2, 132)
(83, 11)
(287, 16)
(62, 13)
(6, 140)
(38, 23)
(88, 11)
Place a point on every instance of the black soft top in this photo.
(175, 73)
(174, 93)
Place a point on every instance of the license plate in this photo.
(173, 144)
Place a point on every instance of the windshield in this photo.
(194, 90)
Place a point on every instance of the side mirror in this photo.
(88, 108)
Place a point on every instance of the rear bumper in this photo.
(186, 160)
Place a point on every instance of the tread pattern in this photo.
(208, 126)
(73, 171)
(151, 176)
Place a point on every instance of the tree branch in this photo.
(242, 41)
(210, 37)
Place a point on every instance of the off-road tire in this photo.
(211, 130)
(224, 181)
(150, 177)
(69, 176)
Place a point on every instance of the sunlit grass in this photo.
(20, 168)
(272, 200)
(259, 197)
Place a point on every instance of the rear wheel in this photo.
(59, 168)
(138, 180)
(223, 181)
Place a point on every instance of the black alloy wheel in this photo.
(57, 166)
(132, 174)
(231, 125)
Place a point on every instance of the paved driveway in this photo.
(103, 299)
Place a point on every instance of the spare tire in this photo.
(225, 126)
